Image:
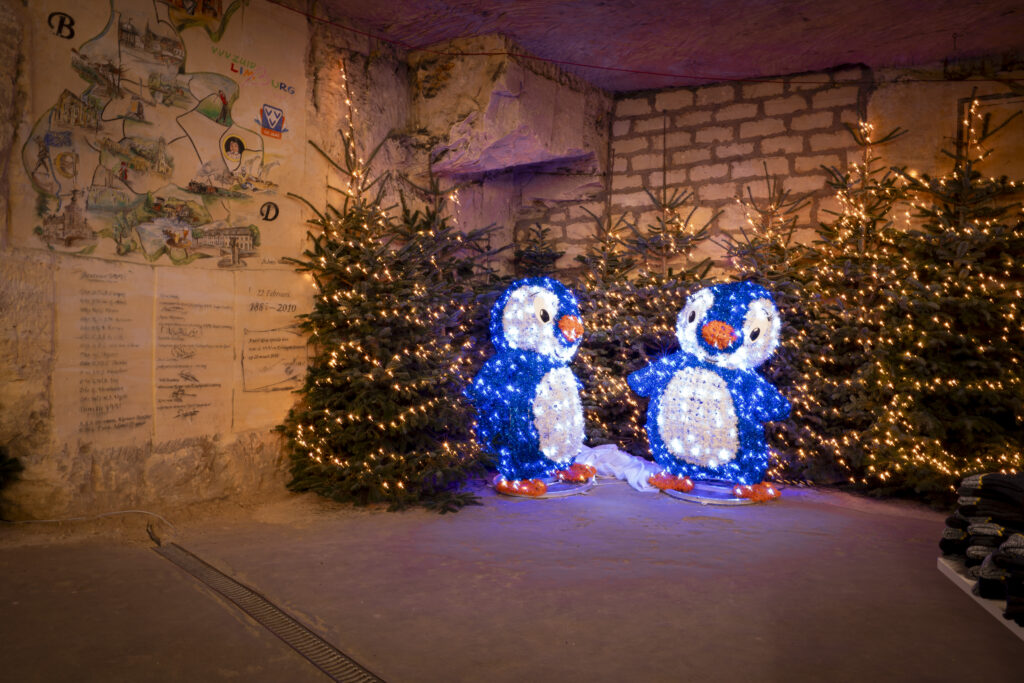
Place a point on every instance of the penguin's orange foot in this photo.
(759, 493)
(578, 473)
(667, 481)
(521, 487)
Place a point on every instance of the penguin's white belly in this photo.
(558, 415)
(697, 420)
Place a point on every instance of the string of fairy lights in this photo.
(855, 231)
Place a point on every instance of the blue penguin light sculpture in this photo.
(529, 414)
(708, 403)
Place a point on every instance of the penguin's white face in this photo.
(761, 329)
(690, 320)
(531, 322)
(759, 333)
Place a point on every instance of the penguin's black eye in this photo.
(693, 316)
(544, 315)
(755, 334)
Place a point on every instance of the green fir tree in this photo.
(381, 416)
(953, 352)
(537, 255)
(634, 283)
(833, 371)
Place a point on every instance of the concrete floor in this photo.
(611, 586)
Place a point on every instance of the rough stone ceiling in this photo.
(705, 41)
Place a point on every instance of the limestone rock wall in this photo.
(511, 128)
(359, 81)
(11, 27)
(69, 470)
(493, 113)
(926, 102)
(26, 285)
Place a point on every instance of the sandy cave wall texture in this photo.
(146, 318)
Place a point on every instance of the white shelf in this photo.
(956, 571)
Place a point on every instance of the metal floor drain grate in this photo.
(318, 651)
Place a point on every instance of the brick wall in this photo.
(715, 141)
(566, 217)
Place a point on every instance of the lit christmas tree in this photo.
(909, 363)
(764, 250)
(953, 354)
(633, 285)
(381, 416)
(608, 303)
(834, 370)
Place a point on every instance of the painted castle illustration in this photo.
(70, 225)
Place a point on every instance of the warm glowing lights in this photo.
(910, 340)
(381, 417)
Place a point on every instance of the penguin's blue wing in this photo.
(502, 393)
(778, 405)
(478, 388)
(650, 380)
(762, 401)
(489, 397)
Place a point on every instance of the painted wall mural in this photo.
(158, 145)
(163, 131)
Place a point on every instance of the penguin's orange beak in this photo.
(718, 334)
(571, 327)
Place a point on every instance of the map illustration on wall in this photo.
(167, 142)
